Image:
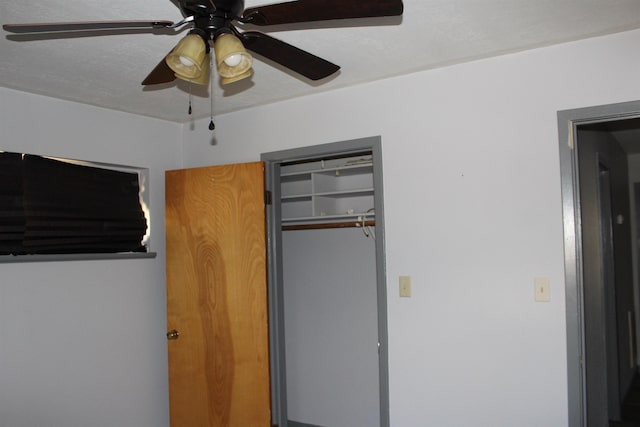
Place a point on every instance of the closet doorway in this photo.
(327, 285)
(600, 164)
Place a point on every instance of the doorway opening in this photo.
(327, 285)
(600, 168)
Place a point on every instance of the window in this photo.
(56, 206)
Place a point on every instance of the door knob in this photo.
(173, 334)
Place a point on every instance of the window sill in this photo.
(5, 259)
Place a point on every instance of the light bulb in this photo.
(186, 62)
(233, 60)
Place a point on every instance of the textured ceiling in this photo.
(106, 71)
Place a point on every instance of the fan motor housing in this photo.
(229, 9)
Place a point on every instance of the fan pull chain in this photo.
(212, 126)
(190, 110)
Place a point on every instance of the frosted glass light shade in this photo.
(203, 79)
(227, 80)
(229, 50)
(186, 59)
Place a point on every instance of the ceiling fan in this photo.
(211, 24)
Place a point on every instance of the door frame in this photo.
(275, 274)
(568, 120)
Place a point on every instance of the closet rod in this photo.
(328, 225)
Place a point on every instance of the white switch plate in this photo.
(405, 286)
(542, 289)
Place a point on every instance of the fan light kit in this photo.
(212, 27)
(187, 59)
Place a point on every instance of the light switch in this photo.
(405, 286)
(542, 289)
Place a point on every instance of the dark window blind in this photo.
(11, 203)
(54, 207)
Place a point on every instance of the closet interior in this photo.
(330, 292)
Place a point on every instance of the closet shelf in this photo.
(327, 190)
(329, 218)
(324, 225)
(346, 169)
(338, 193)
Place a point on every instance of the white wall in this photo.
(82, 342)
(473, 214)
(331, 328)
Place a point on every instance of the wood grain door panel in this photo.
(217, 297)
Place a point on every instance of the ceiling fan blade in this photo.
(161, 74)
(49, 27)
(320, 10)
(289, 56)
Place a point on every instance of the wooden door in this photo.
(217, 297)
